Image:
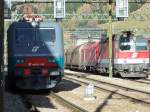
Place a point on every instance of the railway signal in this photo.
(121, 8)
(7, 9)
(59, 9)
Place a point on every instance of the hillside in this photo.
(142, 13)
(80, 15)
(137, 21)
(96, 15)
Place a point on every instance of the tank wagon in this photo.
(35, 54)
(130, 56)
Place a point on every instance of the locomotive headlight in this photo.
(34, 24)
(20, 60)
(54, 73)
(51, 60)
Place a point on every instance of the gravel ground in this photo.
(105, 101)
(132, 94)
(121, 82)
(46, 103)
(13, 103)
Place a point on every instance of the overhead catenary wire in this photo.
(77, 1)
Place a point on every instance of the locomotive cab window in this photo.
(141, 44)
(24, 35)
(125, 43)
(46, 34)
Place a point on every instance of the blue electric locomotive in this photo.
(35, 54)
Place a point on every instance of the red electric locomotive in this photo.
(130, 56)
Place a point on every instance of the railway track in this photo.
(83, 80)
(147, 79)
(143, 81)
(27, 103)
(107, 83)
(30, 104)
(111, 88)
(67, 103)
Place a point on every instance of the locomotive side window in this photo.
(24, 35)
(141, 45)
(46, 34)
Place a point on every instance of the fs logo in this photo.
(35, 49)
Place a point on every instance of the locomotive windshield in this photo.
(132, 43)
(25, 35)
(125, 43)
(141, 44)
(46, 34)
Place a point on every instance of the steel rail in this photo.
(147, 79)
(108, 90)
(70, 105)
(110, 84)
(32, 1)
(141, 81)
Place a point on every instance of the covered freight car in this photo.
(73, 57)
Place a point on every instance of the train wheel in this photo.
(83, 68)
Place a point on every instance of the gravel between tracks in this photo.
(105, 101)
(133, 94)
(45, 103)
(121, 82)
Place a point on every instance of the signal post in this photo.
(110, 40)
(121, 12)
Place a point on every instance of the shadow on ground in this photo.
(65, 85)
